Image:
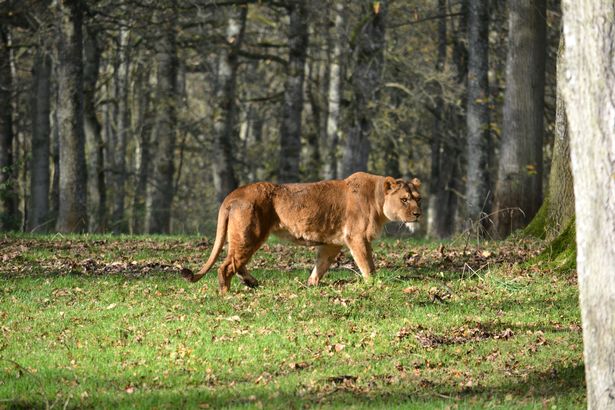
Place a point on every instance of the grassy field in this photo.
(107, 322)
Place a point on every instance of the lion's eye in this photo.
(404, 200)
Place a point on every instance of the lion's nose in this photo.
(416, 213)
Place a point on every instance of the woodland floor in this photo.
(108, 322)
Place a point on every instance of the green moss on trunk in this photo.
(537, 228)
(562, 251)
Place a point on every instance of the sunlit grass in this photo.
(127, 331)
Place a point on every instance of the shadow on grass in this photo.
(564, 385)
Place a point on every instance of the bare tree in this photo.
(122, 73)
(8, 203)
(144, 120)
(292, 106)
(589, 94)
(519, 179)
(72, 215)
(335, 42)
(447, 132)
(225, 112)
(439, 223)
(38, 211)
(160, 190)
(369, 45)
(477, 117)
(97, 193)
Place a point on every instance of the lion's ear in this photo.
(389, 184)
(416, 182)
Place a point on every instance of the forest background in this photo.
(138, 116)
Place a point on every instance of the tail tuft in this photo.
(188, 274)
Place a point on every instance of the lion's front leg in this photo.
(326, 256)
(361, 250)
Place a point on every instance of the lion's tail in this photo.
(218, 245)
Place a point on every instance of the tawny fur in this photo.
(328, 214)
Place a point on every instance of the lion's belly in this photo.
(307, 237)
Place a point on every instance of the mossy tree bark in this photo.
(557, 211)
(589, 94)
(560, 206)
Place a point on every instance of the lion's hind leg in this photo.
(246, 234)
(225, 274)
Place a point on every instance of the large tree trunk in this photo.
(38, 210)
(290, 124)
(8, 194)
(519, 181)
(366, 81)
(589, 94)
(335, 41)
(560, 204)
(97, 193)
(160, 190)
(225, 112)
(72, 215)
(477, 117)
(122, 72)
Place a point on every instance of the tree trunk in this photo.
(519, 181)
(589, 95)
(8, 195)
(160, 188)
(38, 211)
(225, 112)
(445, 145)
(311, 163)
(477, 117)
(292, 106)
(335, 42)
(97, 193)
(369, 45)
(437, 182)
(55, 148)
(118, 221)
(72, 215)
(143, 150)
(560, 205)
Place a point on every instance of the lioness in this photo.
(328, 214)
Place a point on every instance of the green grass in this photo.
(107, 322)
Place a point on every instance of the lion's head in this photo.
(402, 200)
